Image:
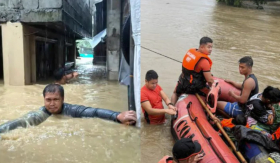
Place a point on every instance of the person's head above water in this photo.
(245, 65)
(185, 150)
(53, 98)
(59, 76)
(205, 45)
(151, 79)
(271, 95)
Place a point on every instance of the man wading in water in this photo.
(54, 104)
(62, 77)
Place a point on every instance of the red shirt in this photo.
(202, 65)
(155, 99)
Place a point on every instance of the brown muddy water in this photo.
(63, 139)
(171, 27)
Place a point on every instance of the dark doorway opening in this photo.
(100, 25)
(1, 57)
(45, 60)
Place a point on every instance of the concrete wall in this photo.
(75, 14)
(19, 62)
(13, 56)
(27, 56)
(113, 38)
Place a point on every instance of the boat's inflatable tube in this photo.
(192, 122)
(225, 88)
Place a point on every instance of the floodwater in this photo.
(64, 139)
(171, 27)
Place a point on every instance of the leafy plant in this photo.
(259, 2)
(238, 3)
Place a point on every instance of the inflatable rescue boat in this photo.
(192, 122)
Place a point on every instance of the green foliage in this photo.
(83, 43)
(260, 2)
(238, 3)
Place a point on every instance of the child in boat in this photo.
(185, 151)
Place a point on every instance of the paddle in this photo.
(239, 155)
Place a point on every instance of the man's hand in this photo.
(172, 107)
(215, 119)
(170, 111)
(198, 157)
(230, 93)
(228, 81)
(75, 74)
(127, 117)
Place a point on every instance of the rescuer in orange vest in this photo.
(196, 71)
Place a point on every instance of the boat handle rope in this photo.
(161, 54)
(207, 138)
(239, 155)
(180, 125)
(188, 107)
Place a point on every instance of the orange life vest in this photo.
(190, 61)
(166, 159)
(227, 123)
(192, 57)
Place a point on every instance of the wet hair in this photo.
(151, 74)
(52, 88)
(58, 74)
(239, 120)
(205, 40)
(272, 94)
(248, 60)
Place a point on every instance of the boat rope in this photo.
(160, 54)
(207, 138)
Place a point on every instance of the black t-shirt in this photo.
(256, 109)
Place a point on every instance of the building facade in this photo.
(38, 36)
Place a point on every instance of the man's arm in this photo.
(167, 101)
(33, 118)
(146, 105)
(70, 74)
(249, 85)
(235, 84)
(174, 98)
(208, 78)
(79, 111)
(206, 69)
(263, 117)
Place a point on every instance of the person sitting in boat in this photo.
(196, 71)
(262, 114)
(185, 151)
(258, 110)
(151, 100)
(54, 104)
(62, 77)
(260, 107)
(248, 88)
